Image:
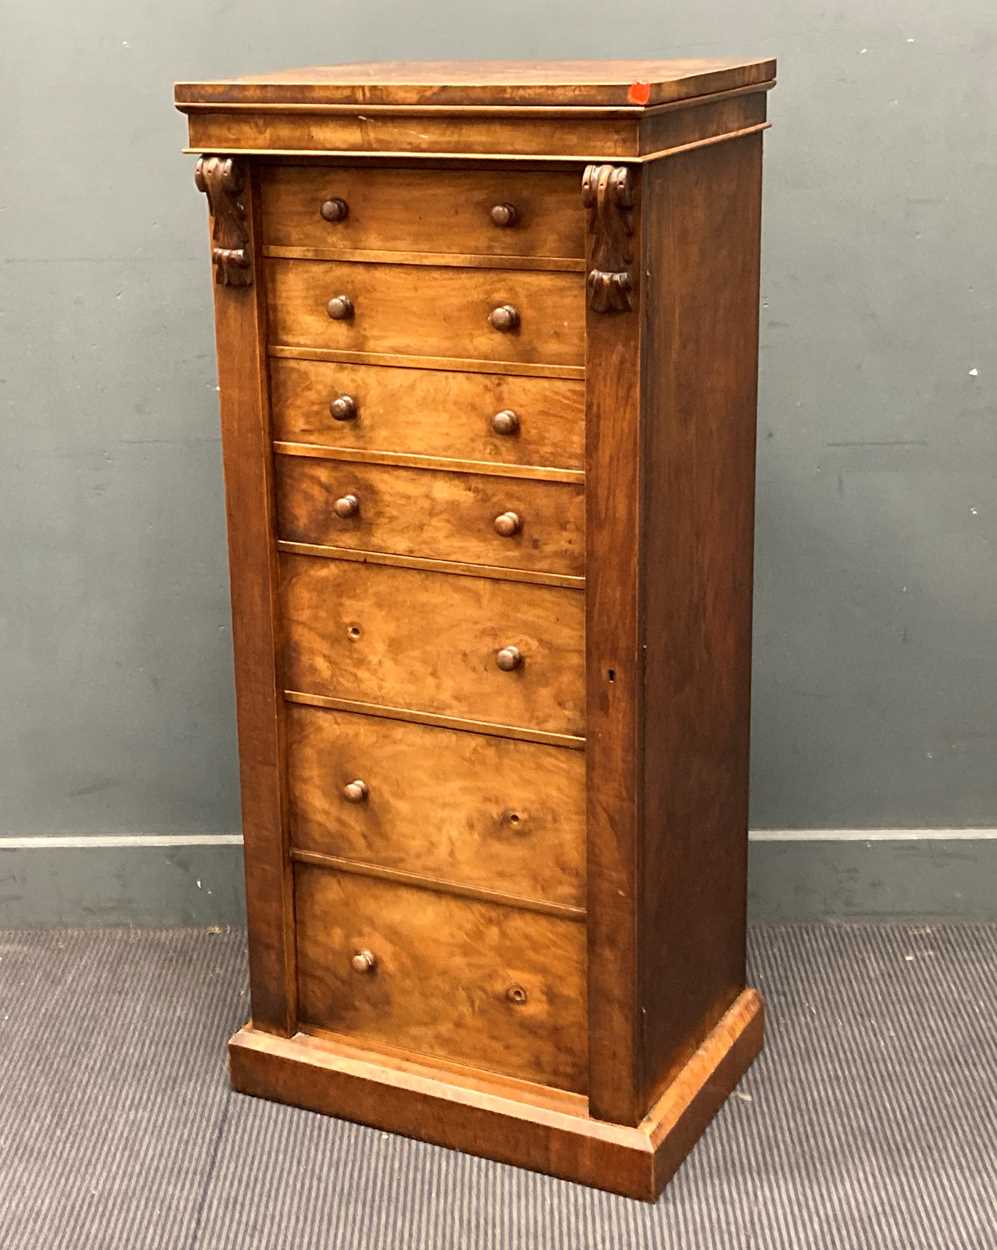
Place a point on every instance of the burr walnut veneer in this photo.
(487, 347)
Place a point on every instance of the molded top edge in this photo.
(609, 84)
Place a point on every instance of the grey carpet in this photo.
(869, 1121)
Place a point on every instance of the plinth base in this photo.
(514, 1122)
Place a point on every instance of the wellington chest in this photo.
(487, 353)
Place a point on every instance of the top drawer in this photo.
(342, 208)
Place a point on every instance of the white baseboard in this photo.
(155, 880)
(872, 835)
(91, 841)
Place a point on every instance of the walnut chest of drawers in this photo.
(487, 353)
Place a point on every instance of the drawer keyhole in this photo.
(517, 822)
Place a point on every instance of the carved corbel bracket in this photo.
(221, 179)
(607, 193)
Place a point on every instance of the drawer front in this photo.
(463, 807)
(429, 641)
(432, 513)
(426, 310)
(479, 983)
(422, 210)
(465, 416)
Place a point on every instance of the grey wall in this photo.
(876, 590)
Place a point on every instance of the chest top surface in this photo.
(556, 84)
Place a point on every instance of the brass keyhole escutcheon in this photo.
(515, 821)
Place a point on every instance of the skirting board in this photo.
(151, 881)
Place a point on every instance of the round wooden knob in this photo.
(363, 961)
(355, 791)
(508, 524)
(347, 506)
(343, 408)
(504, 214)
(509, 659)
(340, 308)
(504, 318)
(516, 995)
(505, 422)
(335, 209)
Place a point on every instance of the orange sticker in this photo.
(639, 93)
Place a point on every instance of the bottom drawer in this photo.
(478, 983)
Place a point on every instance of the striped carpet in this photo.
(869, 1121)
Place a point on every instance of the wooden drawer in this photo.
(479, 983)
(463, 807)
(429, 412)
(406, 638)
(433, 513)
(423, 210)
(426, 310)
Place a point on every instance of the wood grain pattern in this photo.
(424, 210)
(429, 641)
(240, 331)
(430, 411)
(454, 364)
(413, 716)
(454, 567)
(445, 313)
(570, 83)
(703, 233)
(724, 115)
(455, 806)
(459, 889)
(457, 260)
(454, 978)
(614, 363)
(530, 1126)
(402, 135)
(444, 464)
(424, 512)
